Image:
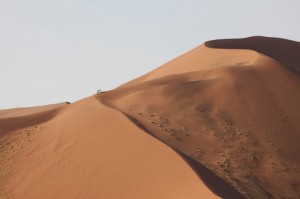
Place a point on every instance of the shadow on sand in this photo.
(211, 180)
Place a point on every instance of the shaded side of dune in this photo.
(283, 50)
(15, 123)
(92, 151)
(212, 181)
(243, 113)
(23, 111)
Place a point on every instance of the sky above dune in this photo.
(64, 50)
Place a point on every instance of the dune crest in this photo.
(91, 151)
(236, 113)
(200, 58)
(220, 121)
(282, 50)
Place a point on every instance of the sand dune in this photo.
(283, 50)
(212, 123)
(238, 118)
(20, 112)
(14, 119)
(200, 59)
(91, 151)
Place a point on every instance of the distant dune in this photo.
(221, 121)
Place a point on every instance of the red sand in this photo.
(211, 123)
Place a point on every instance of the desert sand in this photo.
(220, 121)
(91, 151)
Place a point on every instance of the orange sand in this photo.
(221, 121)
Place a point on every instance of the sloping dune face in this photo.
(14, 119)
(91, 151)
(18, 127)
(283, 50)
(235, 112)
(20, 112)
(199, 59)
(221, 121)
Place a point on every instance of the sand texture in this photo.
(220, 121)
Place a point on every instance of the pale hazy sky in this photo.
(64, 50)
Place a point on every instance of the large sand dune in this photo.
(212, 123)
(91, 151)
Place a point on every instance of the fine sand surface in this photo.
(91, 151)
(19, 112)
(236, 112)
(14, 119)
(220, 121)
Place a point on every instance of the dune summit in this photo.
(220, 121)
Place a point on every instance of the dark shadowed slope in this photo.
(210, 179)
(14, 119)
(285, 51)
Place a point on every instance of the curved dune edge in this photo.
(198, 59)
(91, 151)
(238, 118)
(23, 119)
(228, 116)
(211, 180)
(18, 127)
(283, 50)
(20, 112)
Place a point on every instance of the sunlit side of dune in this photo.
(220, 121)
(91, 151)
(234, 111)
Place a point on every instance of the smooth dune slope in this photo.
(18, 112)
(199, 59)
(17, 129)
(236, 112)
(91, 151)
(220, 121)
(14, 119)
